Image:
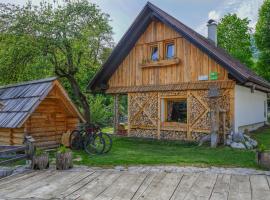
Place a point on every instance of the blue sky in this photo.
(193, 13)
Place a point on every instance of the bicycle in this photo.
(91, 139)
(107, 138)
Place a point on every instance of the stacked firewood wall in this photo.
(145, 114)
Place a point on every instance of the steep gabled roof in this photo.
(237, 70)
(20, 100)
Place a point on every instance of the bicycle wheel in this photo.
(94, 144)
(75, 140)
(108, 142)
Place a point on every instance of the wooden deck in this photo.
(132, 185)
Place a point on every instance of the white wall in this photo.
(250, 108)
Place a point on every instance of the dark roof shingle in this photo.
(20, 100)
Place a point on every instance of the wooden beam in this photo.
(198, 85)
(129, 121)
(159, 116)
(254, 87)
(160, 63)
(116, 113)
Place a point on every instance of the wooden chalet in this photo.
(166, 69)
(39, 108)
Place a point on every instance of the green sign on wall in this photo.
(213, 76)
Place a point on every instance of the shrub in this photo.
(261, 148)
(62, 149)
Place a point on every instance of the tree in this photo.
(72, 38)
(262, 38)
(234, 36)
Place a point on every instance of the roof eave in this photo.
(144, 19)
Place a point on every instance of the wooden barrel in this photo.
(263, 159)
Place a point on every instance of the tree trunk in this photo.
(81, 97)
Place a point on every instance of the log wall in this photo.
(11, 136)
(192, 62)
(50, 120)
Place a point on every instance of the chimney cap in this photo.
(211, 21)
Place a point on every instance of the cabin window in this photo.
(175, 110)
(170, 50)
(154, 53)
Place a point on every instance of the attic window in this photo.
(154, 53)
(169, 50)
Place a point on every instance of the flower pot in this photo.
(40, 161)
(64, 160)
(263, 159)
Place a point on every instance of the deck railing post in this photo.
(30, 148)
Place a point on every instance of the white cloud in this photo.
(214, 15)
(243, 9)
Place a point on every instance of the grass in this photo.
(262, 135)
(137, 151)
(130, 151)
(107, 130)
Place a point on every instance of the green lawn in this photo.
(262, 135)
(130, 151)
(107, 130)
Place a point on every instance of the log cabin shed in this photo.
(166, 69)
(38, 108)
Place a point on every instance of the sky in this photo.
(193, 13)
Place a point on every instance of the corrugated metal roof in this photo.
(20, 100)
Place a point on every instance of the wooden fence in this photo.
(9, 154)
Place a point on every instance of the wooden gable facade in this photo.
(150, 83)
(46, 120)
(189, 63)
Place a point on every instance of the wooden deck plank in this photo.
(240, 188)
(221, 188)
(203, 187)
(80, 184)
(122, 184)
(144, 185)
(260, 188)
(163, 187)
(96, 187)
(10, 188)
(134, 185)
(183, 188)
(259, 182)
(25, 189)
(50, 190)
(127, 192)
(18, 177)
(147, 188)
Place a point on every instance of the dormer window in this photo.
(154, 53)
(169, 50)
